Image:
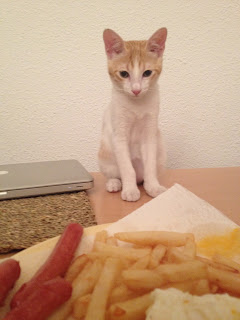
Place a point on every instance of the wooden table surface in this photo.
(218, 186)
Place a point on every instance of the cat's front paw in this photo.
(113, 185)
(153, 190)
(130, 194)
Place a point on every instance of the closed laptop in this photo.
(41, 178)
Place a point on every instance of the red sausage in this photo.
(9, 273)
(56, 265)
(43, 301)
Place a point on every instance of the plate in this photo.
(32, 258)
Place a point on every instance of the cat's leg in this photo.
(138, 167)
(130, 191)
(115, 161)
(149, 154)
(109, 168)
(161, 157)
(111, 172)
(113, 185)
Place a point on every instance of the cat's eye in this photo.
(124, 74)
(147, 73)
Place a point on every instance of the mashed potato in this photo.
(172, 304)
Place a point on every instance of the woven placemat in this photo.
(28, 221)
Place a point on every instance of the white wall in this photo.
(54, 84)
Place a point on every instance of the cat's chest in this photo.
(138, 130)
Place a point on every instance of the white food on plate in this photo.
(174, 304)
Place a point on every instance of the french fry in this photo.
(226, 262)
(152, 238)
(141, 263)
(215, 264)
(228, 281)
(107, 250)
(83, 284)
(80, 306)
(156, 256)
(100, 236)
(196, 287)
(201, 287)
(114, 281)
(141, 280)
(175, 255)
(121, 293)
(112, 241)
(190, 248)
(97, 305)
(189, 270)
(93, 255)
(133, 309)
(76, 267)
(102, 256)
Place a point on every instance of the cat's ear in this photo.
(156, 43)
(113, 43)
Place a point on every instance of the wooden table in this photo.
(218, 186)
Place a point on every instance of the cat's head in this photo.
(134, 66)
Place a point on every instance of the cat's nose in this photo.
(136, 92)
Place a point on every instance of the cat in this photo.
(131, 149)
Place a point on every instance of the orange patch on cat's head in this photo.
(135, 54)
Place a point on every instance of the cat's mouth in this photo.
(133, 96)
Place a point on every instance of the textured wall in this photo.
(54, 84)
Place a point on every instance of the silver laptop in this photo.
(41, 178)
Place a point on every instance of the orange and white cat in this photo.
(131, 150)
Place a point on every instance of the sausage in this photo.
(43, 301)
(9, 273)
(56, 265)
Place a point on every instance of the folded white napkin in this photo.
(177, 209)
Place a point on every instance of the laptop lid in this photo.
(40, 178)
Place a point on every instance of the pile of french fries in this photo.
(115, 280)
